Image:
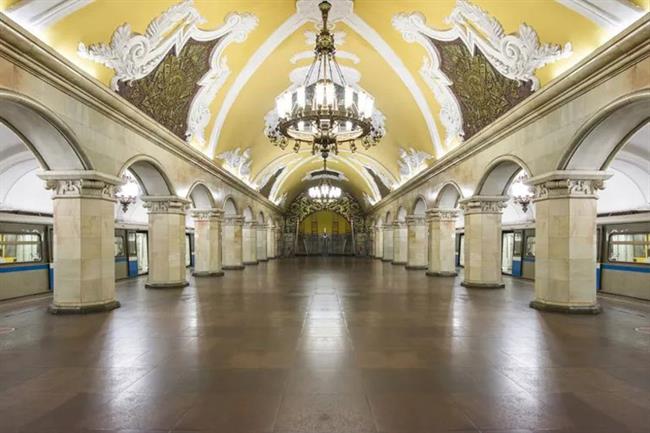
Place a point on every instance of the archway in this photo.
(249, 237)
(400, 237)
(325, 232)
(206, 253)
(232, 238)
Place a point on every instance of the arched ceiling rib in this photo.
(389, 67)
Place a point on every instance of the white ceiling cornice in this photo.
(44, 13)
(614, 14)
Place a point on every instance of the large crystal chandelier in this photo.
(325, 192)
(325, 112)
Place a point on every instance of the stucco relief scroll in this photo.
(134, 56)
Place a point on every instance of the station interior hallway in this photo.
(325, 345)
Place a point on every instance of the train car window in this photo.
(20, 248)
(530, 246)
(119, 246)
(629, 247)
(188, 251)
(516, 249)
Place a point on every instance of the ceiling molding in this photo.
(612, 14)
(307, 11)
(44, 13)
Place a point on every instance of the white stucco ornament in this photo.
(133, 55)
(516, 56)
(238, 163)
(411, 162)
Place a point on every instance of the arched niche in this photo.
(448, 196)
(499, 175)
(150, 176)
(260, 218)
(201, 197)
(401, 214)
(419, 207)
(248, 214)
(598, 141)
(230, 207)
(389, 218)
(50, 140)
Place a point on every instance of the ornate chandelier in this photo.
(325, 192)
(128, 191)
(520, 192)
(325, 112)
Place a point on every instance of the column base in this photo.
(83, 309)
(251, 263)
(232, 267)
(416, 267)
(177, 285)
(207, 274)
(482, 285)
(386, 260)
(263, 260)
(567, 309)
(399, 263)
(442, 274)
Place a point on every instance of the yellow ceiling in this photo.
(405, 123)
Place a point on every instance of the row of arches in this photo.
(610, 150)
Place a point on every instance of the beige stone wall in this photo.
(417, 255)
(387, 251)
(232, 248)
(400, 243)
(249, 248)
(166, 249)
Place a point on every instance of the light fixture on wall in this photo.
(128, 191)
(325, 192)
(325, 111)
(520, 192)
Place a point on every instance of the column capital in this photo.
(439, 214)
(250, 224)
(165, 204)
(414, 220)
(487, 204)
(81, 184)
(212, 214)
(399, 224)
(568, 184)
(233, 220)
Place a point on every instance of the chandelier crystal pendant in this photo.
(325, 192)
(520, 192)
(325, 112)
(127, 192)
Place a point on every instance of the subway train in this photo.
(26, 254)
(623, 253)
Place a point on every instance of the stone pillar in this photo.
(565, 241)
(232, 248)
(379, 243)
(442, 242)
(483, 241)
(278, 242)
(417, 242)
(270, 242)
(387, 253)
(249, 233)
(166, 241)
(83, 244)
(400, 243)
(207, 242)
(261, 243)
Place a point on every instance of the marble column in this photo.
(442, 242)
(249, 235)
(166, 241)
(417, 242)
(207, 242)
(565, 240)
(261, 243)
(270, 242)
(400, 243)
(387, 253)
(232, 239)
(483, 241)
(83, 244)
(379, 243)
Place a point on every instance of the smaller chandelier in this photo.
(324, 111)
(128, 191)
(520, 192)
(325, 192)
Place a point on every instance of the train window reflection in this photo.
(629, 247)
(119, 246)
(530, 246)
(20, 248)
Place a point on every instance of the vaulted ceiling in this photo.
(438, 69)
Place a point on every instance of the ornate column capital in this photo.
(233, 220)
(81, 184)
(250, 224)
(415, 220)
(399, 224)
(212, 214)
(165, 204)
(439, 214)
(484, 204)
(568, 184)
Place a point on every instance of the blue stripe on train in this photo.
(516, 268)
(23, 268)
(626, 268)
(133, 268)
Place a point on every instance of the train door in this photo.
(132, 251)
(507, 252)
(189, 252)
(460, 259)
(142, 250)
(49, 242)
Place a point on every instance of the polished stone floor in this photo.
(324, 345)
